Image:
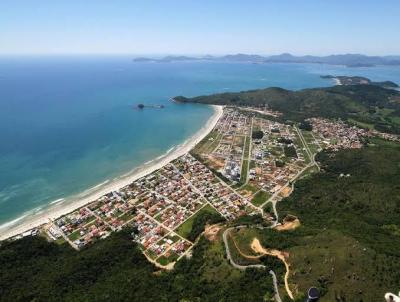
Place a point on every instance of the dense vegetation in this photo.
(366, 105)
(351, 215)
(114, 269)
(257, 134)
(356, 80)
(348, 244)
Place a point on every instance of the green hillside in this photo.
(114, 269)
(349, 241)
(364, 104)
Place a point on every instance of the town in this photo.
(244, 166)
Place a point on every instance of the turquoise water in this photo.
(67, 123)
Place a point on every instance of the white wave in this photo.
(57, 200)
(94, 188)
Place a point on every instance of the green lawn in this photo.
(260, 198)
(166, 260)
(185, 229)
(75, 235)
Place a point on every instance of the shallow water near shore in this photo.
(68, 124)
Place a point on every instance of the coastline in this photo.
(337, 81)
(57, 208)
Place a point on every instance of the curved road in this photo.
(273, 200)
(243, 267)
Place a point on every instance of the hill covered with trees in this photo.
(365, 105)
(349, 241)
(114, 269)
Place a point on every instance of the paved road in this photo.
(243, 267)
(275, 283)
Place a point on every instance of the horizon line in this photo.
(197, 55)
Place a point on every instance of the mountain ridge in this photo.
(349, 60)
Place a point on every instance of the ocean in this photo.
(68, 124)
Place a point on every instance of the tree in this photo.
(257, 134)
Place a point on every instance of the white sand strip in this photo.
(30, 221)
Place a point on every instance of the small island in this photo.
(142, 106)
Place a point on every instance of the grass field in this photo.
(247, 188)
(243, 174)
(208, 144)
(301, 149)
(309, 138)
(236, 256)
(260, 197)
(185, 229)
(245, 162)
(163, 260)
(361, 124)
(247, 147)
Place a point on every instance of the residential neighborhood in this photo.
(247, 161)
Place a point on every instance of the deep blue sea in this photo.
(68, 124)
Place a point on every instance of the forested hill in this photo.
(368, 105)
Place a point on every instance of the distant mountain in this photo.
(242, 58)
(350, 60)
(165, 59)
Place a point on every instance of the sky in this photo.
(198, 27)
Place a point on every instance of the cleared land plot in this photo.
(208, 144)
(301, 149)
(312, 144)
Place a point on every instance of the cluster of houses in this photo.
(271, 168)
(222, 197)
(154, 207)
(337, 135)
(80, 227)
(157, 204)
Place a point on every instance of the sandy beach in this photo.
(337, 81)
(56, 210)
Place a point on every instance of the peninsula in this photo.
(346, 80)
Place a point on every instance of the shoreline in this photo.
(337, 81)
(57, 208)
